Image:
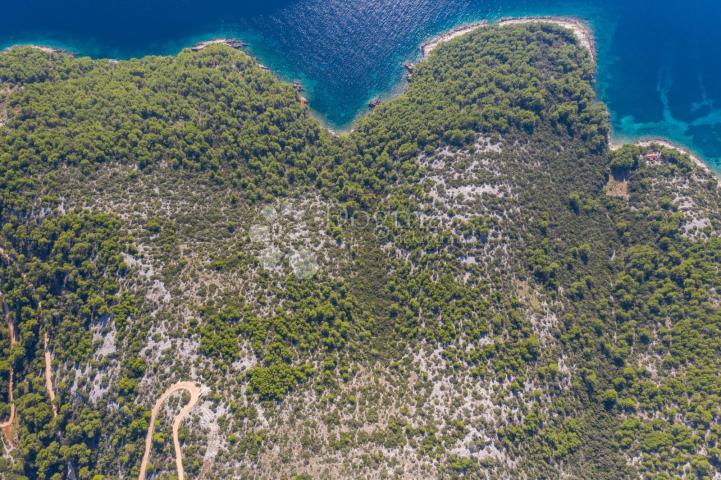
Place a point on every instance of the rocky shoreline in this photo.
(42, 48)
(581, 30)
(229, 42)
(428, 46)
(673, 146)
(584, 34)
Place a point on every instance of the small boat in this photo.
(374, 103)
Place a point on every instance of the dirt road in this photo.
(7, 426)
(194, 392)
(49, 376)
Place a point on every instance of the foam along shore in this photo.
(581, 30)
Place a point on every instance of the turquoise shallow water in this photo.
(659, 61)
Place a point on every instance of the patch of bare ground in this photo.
(617, 186)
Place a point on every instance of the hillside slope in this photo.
(468, 285)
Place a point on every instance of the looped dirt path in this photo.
(194, 392)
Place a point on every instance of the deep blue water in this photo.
(659, 61)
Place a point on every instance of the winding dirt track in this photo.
(194, 392)
(7, 426)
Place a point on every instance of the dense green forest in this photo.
(469, 284)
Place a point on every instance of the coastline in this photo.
(580, 29)
(429, 45)
(42, 48)
(662, 142)
(585, 37)
(665, 143)
(228, 42)
(197, 46)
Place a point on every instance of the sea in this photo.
(659, 61)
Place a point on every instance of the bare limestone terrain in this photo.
(199, 281)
